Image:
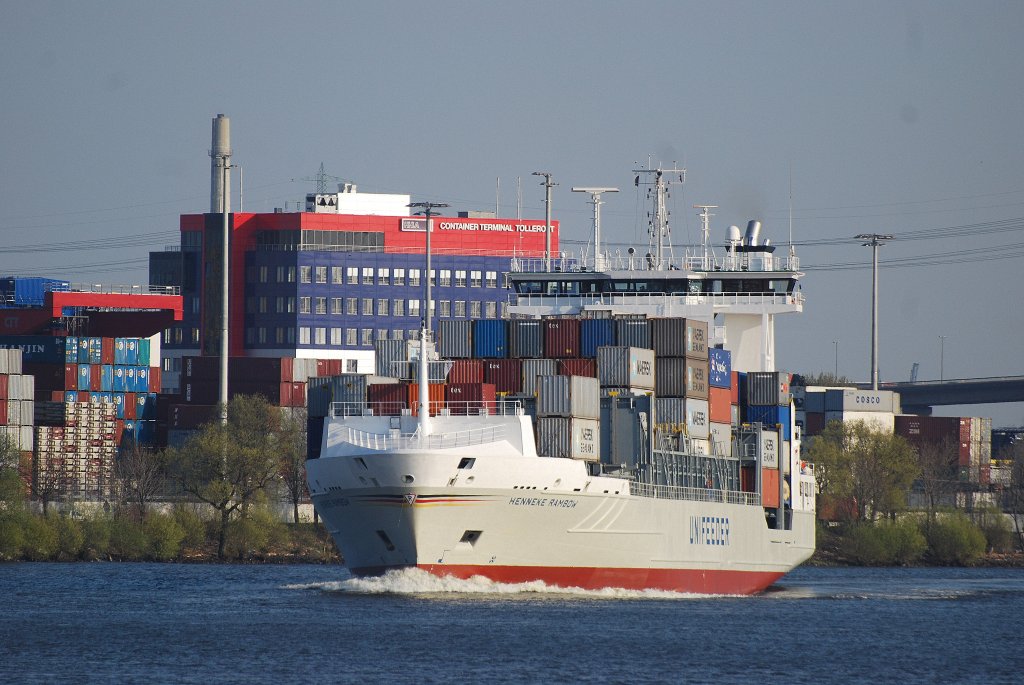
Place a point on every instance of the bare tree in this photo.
(139, 475)
(937, 462)
(1015, 492)
(292, 447)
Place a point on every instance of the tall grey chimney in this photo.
(220, 165)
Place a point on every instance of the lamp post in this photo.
(942, 354)
(835, 343)
(874, 240)
(548, 185)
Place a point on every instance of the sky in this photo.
(835, 118)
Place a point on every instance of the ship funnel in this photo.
(753, 231)
(220, 163)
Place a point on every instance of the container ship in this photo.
(624, 427)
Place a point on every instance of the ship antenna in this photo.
(705, 229)
(659, 218)
(595, 199)
(423, 416)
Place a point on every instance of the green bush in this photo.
(127, 539)
(70, 537)
(41, 540)
(165, 536)
(12, 534)
(96, 533)
(953, 539)
(998, 532)
(257, 533)
(885, 543)
(192, 525)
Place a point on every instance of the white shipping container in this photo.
(702, 447)
(573, 438)
(770, 449)
(856, 400)
(698, 419)
(625, 367)
(720, 435)
(879, 421)
(568, 396)
(21, 387)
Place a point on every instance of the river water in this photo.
(178, 623)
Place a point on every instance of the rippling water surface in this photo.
(171, 623)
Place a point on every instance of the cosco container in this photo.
(633, 332)
(765, 388)
(719, 368)
(595, 333)
(568, 396)
(625, 367)
(562, 338)
(854, 400)
(490, 339)
(569, 438)
(525, 339)
(455, 339)
(532, 368)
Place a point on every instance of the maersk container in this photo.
(720, 435)
(569, 438)
(595, 333)
(698, 423)
(455, 339)
(766, 388)
(568, 396)
(525, 339)
(562, 338)
(770, 449)
(719, 368)
(770, 416)
(532, 369)
(668, 337)
(681, 377)
(490, 339)
(854, 400)
(633, 332)
(625, 367)
(45, 349)
(505, 374)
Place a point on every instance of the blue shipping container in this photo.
(45, 349)
(107, 378)
(95, 350)
(770, 416)
(490, 339)
(719, 368)
(145, 432)
(29, 291)
(144, 348)
(84, 376)
(120, 351)
(595, 333)
(145, 406)
(131, 351)
(119, 404)
(71, 350)
(83, 350)
(142, 379)
(131, 383)
(119, 380)
(70, 397)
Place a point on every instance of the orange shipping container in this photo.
(770, 487)
(435, 393)
(720, 404)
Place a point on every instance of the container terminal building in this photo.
(328, 282)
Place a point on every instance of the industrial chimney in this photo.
(220, 165)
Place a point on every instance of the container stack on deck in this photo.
(681, 379)
(17, 410)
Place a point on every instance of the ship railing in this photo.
(437, 408)
(653, 299)
(385, 442)
(676, 492)
(739, 261)
(107, 289)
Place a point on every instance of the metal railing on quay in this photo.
(694, 494)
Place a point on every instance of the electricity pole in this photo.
(874, 240)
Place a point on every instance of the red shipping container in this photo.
(505, 374)
(333, 367)
(3, 387)
(435, 394)
(3, 412)
(84, 396)
(155, 379)
(129, 406)
(118, 431)
(578, 367)
(734, 388)
(387, 399)
(769, 487)
(95, 378)
(57, 396)
(469, 398)
(562, 338)
(719, 405)
(293, 394)
(287, 369)
(814, 422)
(466, 371)
(107, 351)
(71, 376)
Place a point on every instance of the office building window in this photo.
(414, 307)
(474, 309)
(279, 335)
(399, 308)
(366, 337)
(290, 305)
(352, 306)
(264, 274)
(305, 274)
(335, 336)
(446, 278)
(291, 274)
(382, 306)
(263, 304)
(352, 275)
(383, 276)
(460, 308)
(250, 336)
(250, 304)
(382, 334)
(291, 335)
(304, 304)
(446, 309)
(433, 278)
(320, 335)
(279, 304)
(351, 366)
(350, 337)
(321, 305)
(492, 279)
(414, 276)
(279, 275)
(261, 335)
(250, 274)
(491, 310)
(475, 279)
(367, 306)
(321, 274)
(336, 306)
(336, 276)
(460, 279)
(399, 276)
(397, 334)
(367, 275)
(303, 335)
